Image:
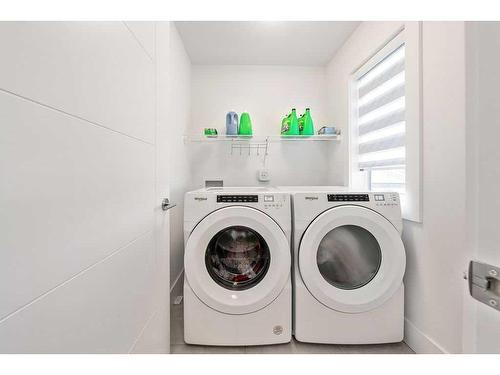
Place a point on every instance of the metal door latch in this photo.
(166, 205)
(484, 283)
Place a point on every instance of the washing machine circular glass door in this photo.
(352, 259)
(237, 260)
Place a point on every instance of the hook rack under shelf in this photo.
(249, 145)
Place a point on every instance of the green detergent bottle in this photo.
(301, 123)
(285, 124)
(307, 123)
(245, 125)
(290, 124)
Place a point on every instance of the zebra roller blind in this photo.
(380, 121)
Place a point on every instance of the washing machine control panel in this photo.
(387, 199)
(348, 198)
(237, 198)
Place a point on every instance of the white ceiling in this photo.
(304, 43)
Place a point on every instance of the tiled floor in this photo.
(179, 347)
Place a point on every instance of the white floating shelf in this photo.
(262, 138)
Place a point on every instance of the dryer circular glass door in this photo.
(351, 259)
(237, 260)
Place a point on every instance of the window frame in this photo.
(409, 34)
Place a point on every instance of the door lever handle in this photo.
(166, 205)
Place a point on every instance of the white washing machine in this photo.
(237, 285)
(349, 262)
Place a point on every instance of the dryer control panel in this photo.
(348, 198)
(237, 198)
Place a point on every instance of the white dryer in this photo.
(237, 285)
(349, 262)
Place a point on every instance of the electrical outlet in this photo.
(264, 175)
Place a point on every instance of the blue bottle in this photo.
(232, 123)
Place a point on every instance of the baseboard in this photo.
(176, 287)
(419, 342)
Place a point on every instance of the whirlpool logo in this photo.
(312, 198)
(200, 198)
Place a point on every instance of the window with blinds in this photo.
(380, 123)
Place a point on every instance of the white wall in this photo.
(436, 248)
(268, 93)
(77, 186)
(179, 104)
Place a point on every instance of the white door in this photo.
(482, 320)
(237, 260)
(77, 189)
(352, 259)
